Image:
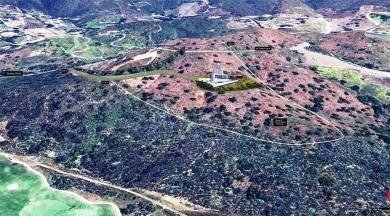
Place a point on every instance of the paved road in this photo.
(130, 76)
(318, 59)
(372, 20)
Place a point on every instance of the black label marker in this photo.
(259, 48)
(280, 122)
(13, 73)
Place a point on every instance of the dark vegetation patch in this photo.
(121, 140)
(191, 27)
(249, 7)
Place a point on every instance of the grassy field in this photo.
(380, 17)
(24, 193)
(353, 78)
(103, 22)
(97, 47)
(311, 27)
(123, 41)
(82, 48)
(130, 76)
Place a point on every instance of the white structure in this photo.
(221, 77)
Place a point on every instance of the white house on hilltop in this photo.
(221, 77)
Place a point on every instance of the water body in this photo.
(25, 192)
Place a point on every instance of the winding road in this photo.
(120, 39)
(318, 59)
(257, 79)
(98, 182)
(374, 21)
(192, 78)
(46, 183)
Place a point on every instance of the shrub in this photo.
(233, 99)
(267, 122)
(356, 88)
(161, 86)
(335, 116)
(208, 110)
(212, 99)
(326, 180)
(367, 99)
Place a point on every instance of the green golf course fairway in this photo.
(24, 193)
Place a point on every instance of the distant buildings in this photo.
(222, 77)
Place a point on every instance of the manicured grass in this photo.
(380, 17)
(81, 47)
(130, 76)
(124, 40)
(376, 18)
(106, 38)
(353, 78)
(103, 22)
(311, 27)
(24, 193)
(91, 49)
(244, 84)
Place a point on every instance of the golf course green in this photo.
(25, 193)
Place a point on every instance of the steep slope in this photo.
(237, 7)
(256, 7)
(248, 7)
(66, 9)
(343, 5)
(354, 47)
(79, 124)
(249, 111)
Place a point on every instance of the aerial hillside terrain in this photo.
(184, 107)
(81, 124)
(275, 68)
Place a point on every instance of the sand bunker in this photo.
(12, 187)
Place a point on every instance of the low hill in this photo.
(250, 111)
(237, 7)
(82, 125)
(67, 9)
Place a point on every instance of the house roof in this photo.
(221, 72)
(218, 72)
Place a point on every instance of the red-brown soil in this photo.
(252, 108)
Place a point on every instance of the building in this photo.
(222, 77)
